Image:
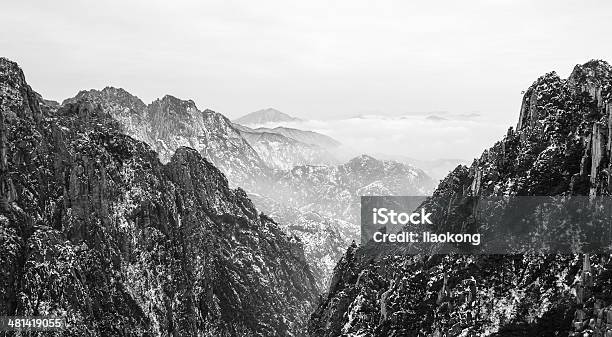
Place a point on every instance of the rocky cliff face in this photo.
(325, 238)
(169, 123)
(95, 228)
(561, 146)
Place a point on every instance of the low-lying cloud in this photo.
(421, 136)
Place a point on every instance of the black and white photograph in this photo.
(306, 168)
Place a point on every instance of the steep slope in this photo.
(93, 227)
(265, 116)
(561, 146)
(169, 123)
(325, 239)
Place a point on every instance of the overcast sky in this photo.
(316, 59)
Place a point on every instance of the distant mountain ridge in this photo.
(283, 148)
(436, 168)
(304, 136)
(265, 116)
(283, 153)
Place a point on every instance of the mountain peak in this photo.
(7, 66)
(16, 96)
(111, 91)
(11, 73)
(597, 64)
(594, 71)
(363, 160)
(175, 104)
(175, 100)
(111, 98)
(263, 116)
(120, 91)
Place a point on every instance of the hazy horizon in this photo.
(314, 60)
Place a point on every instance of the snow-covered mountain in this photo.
(265, 116)
(296, 181)
(560, 147)
(95, 229)
(169, 123)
